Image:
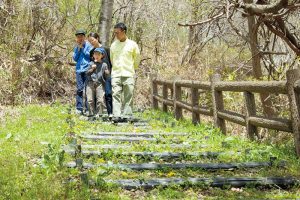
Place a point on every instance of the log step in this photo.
(119, 146)
(118, 138)
(162, 155)
(153, 134)
(155, 166)
(212, 182)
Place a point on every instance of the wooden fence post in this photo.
(251, 111)
(292, 77)
(195, 103)
(165, 96)
(154, 91)
(177, 97)
(218, 104)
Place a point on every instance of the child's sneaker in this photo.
(78, 112)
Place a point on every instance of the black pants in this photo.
(108, 102)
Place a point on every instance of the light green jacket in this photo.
(125, 58)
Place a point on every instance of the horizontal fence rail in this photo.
(251, 86)
(169, 94)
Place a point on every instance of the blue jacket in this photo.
(82, 57)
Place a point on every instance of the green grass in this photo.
(29, 168)
(31, 159)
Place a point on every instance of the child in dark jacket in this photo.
(97, 75)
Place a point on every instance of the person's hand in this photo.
(79, 43)
(92, 69)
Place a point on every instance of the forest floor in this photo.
(33, 162)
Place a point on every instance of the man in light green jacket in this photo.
(125, 57)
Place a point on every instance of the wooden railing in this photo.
(216, 87)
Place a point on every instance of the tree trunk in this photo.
(256, 64)
(193, 35)
(16, 79)
(105, 21)
(193, 38)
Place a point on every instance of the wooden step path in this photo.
(86, 145)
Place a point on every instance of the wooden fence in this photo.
(216, 87)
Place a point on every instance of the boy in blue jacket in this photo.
(82, 58)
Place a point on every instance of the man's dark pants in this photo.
(108, 95)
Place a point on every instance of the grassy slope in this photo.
(30, 168)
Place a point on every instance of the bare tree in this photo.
(273, 15)
(253, 26)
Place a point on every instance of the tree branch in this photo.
(203, 22)
(255, 9)
(283, 36)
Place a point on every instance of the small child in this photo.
(97, 75)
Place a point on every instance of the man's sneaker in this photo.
(132, 119)
(117, 120)
(91, 118)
